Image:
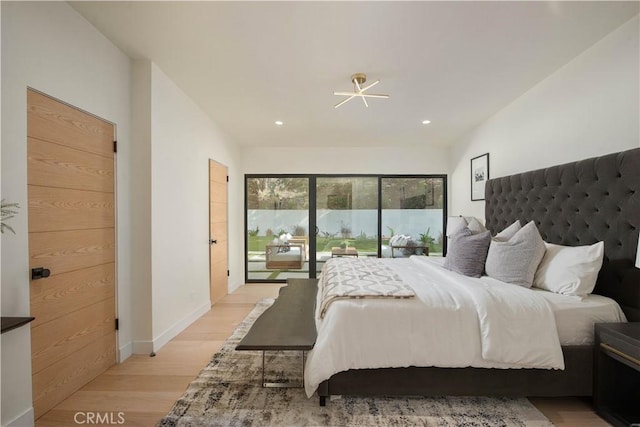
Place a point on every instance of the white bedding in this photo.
(454, 321)
(575, 316)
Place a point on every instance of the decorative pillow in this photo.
(570, 270)
(468, 252)
(456, 224)
(508, 232)
(516, 260)
(474, 225)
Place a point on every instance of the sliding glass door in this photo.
(346, 217)
(277, 228)
(295, 223)
(413, 207)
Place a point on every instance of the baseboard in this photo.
(142, 347)
(26, 419)
(180, 326)
(232, 288)
(125, 352)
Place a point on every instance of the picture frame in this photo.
(479, 176)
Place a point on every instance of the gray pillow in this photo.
(474, 225)
(508, 232)
(516, 260)
(468, 252)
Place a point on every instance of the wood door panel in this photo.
(59, 338)
(219, 251)
(71, 216)
(218, 275)
(50, 120)
(56, 209)
(64, 251)
(218, 212)
(218, 192)
(62, 293)
(218, 230)
(53, 165)
(218, 173)
(219, 255)
(62, 378)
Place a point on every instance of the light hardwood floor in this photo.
(144, 388)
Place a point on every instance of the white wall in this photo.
(141, 207)
(183, 139)
(588, 108)
(346, 160)
(49, 47)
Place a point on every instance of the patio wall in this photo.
(404, 221)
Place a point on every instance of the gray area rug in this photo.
(228, 393)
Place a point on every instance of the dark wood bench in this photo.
(288, 324)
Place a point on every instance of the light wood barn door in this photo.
(218, 244)
(71, 234)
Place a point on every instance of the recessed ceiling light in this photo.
(279, 122)
(426, 122)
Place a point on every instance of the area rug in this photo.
(228, 393)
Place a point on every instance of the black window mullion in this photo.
(379, 217)
(313, 226)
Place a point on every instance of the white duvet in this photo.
(454, 321)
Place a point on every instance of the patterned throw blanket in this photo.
(344, 278)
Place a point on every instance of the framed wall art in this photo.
(479, 176)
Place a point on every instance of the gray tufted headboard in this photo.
(581, 203)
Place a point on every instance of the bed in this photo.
(574, 204)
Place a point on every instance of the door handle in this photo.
(40, 273)
(212, 242)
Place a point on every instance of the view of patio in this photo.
(346, 222)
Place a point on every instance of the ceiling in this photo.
(248, 64)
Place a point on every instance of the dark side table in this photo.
(616, 391)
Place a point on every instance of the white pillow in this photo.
(569, 270)
(399, 240)
(402, 241)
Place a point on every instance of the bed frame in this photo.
(578, 203)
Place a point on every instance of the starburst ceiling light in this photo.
(358, 90)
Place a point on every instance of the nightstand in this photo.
(616, 391)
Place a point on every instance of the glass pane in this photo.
(347, 217)
(277, 228)
(412, 207)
